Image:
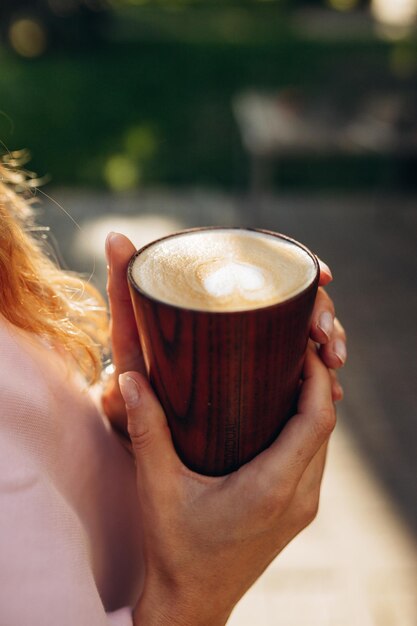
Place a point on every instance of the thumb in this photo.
(147, 426)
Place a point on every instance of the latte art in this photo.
(231, 277)
(223, 270)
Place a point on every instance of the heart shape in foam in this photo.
(232, 277)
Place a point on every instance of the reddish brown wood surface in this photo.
(227, 381)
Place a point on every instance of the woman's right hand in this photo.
(206, 539)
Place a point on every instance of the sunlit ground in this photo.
(141, 230)
(357, 564)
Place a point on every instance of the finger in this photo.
(337, 389)
(322, 322)
(114, 407)
(307, 493)
(326, 275)
(334, 353)
(316, 387)
(288, 457)
(148, 429)
(311, 479)
(127, 353)
(305, 502)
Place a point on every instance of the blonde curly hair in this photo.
(35, 294)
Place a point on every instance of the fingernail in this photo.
(130, 390)
(107, 247)
(339, 348)
(326, 268)
(325, 323)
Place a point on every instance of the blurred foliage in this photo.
(30, 27)
(150, 101)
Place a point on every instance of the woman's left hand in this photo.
(127, 355)
(126, 350)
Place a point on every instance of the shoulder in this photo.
(30, 369)
(28, 394)
(22, 393)
(17, 351)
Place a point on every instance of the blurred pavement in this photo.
(357, 564)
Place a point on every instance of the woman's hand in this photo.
(327, 331)
(127, 355)
(206, 540)
(126, 350)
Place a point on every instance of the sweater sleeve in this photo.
(45, 577)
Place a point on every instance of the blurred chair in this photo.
(275, 126)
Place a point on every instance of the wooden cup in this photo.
(227, 381)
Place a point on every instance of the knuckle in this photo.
(275, 501)
(117, 292)
(142, 439)
(325, 300)
(310, 509)
(112, 288)
(325, 422)
(340, 329)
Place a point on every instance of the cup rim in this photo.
(185, 231)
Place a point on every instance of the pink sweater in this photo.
(69, 523)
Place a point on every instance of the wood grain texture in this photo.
(227, 381)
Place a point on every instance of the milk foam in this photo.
(234, 277)
(223, 270)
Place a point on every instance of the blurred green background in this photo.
(127, 93)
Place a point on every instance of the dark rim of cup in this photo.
(147, 295)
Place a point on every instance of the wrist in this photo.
(167, 609)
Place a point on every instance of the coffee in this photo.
(223, 270)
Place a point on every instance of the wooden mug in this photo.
(227, 381)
